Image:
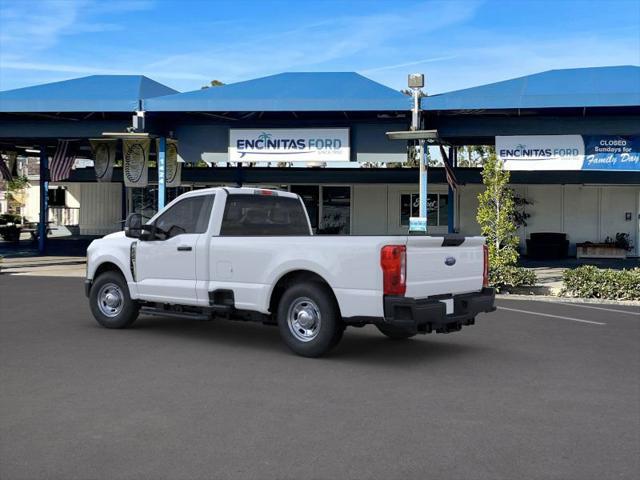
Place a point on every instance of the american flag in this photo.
(448, 169)
(5, 172)
(62, 161)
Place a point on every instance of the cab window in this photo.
(190, 215)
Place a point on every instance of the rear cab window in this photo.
(261, 215)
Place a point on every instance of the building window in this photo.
(329, 208)
(57, 197)
(143, 201)
(437, 208)
(336, 211)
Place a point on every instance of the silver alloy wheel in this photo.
(110, 300)
(304, 319)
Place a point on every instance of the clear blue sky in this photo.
(184, 44)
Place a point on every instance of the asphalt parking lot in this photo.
(534, 390)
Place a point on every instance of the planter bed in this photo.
(599, 250)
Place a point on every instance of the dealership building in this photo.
(570, 137)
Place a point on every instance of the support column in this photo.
(423, 179)
(162, 160)
(453, 158)
(44, 200)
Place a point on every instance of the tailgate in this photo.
(434, 269)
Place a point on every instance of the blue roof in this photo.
(576, 87)
(289, 92)
(96, 93)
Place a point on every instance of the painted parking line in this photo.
(529, 312)
(599, 308)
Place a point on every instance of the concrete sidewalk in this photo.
(47, 266)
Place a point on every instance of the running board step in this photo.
(174, 313)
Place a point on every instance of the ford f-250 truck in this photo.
(247, 253)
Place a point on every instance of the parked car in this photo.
(246, 253)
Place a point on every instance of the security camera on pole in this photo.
(416, 83)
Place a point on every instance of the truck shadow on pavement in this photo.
(362, 345)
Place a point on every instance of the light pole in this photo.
(416, 83)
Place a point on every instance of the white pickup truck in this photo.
(247, 253)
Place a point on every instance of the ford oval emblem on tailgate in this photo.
(450, 261)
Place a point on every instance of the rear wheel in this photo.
(394, 332)
(110, 302)
(309, 320)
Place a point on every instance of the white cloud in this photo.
(408, 64)
(30, 27)
(90, 70)
(347, 40)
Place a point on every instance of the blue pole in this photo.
(453, 158)
(423, 179)
(162, 157)
(44, 200)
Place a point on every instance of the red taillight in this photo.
(393, 260)
(485, 269)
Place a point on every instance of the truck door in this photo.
(166, 266)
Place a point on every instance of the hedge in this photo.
(507, 276)
(591, 282)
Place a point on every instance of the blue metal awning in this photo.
(288, 92)
(96, 93)
(569, 88)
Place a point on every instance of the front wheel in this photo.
(110, 302)
(394, 332)
(309, 320)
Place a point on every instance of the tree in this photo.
(213, 83)
(496, 212)
(474, 155)
(16, 190)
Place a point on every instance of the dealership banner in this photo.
(541, 152)
(569, 152)
(104, 157)
(289, 145)
(611, 152)
(172, 164)
(135, 153)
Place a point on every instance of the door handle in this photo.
(184, 248)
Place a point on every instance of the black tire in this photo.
(313, 297)
(127, 310)
(394, 332)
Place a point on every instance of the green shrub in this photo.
(592, 282)
(505, 276)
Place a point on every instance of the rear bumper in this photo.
(430, 315)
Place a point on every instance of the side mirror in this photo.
(133, 225)
(148, 232)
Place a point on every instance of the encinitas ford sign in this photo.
(289, 145)
(541, 152)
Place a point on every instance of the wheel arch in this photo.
(108, 266)
(297, 276)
